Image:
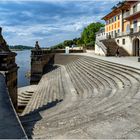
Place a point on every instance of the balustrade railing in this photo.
(132, 11)
(100, 44)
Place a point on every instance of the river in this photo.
(23, 61)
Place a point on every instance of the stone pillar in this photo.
(36, 66)
(9, 68)
(121, 22)
(39, 60)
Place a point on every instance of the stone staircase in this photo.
(92, 99)
(49, 91)
(112, 46)
(24, 95)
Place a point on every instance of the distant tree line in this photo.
(20, 47)
(87, 38)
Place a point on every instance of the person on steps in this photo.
(118, 52)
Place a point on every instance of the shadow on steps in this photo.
(49, 68)
(112, 47)
(28, 121)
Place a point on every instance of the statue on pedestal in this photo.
(37, 47)
(3, 44)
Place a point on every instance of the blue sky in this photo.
(49, 21)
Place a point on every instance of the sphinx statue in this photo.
(3, 44)
(37, 47)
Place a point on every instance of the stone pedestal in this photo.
(39, 59)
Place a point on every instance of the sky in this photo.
(49, 21)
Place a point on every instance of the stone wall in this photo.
(9, 68)
(128, 46)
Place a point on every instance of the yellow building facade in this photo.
(123, 25)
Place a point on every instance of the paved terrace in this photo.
(127, 61)
(10, 126)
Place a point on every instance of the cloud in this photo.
(49, 21)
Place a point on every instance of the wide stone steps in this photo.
(96, 95)
(101, 86)
(131, 79)
(132, 73)
(93, 94)
(110, 108)
(25, 94)
(87, 88)
(49, 91)
(24, 97)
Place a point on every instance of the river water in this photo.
(23, 61)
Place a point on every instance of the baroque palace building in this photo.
(122, 30)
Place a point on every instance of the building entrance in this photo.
(136, 47)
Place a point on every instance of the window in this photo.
(107, 29)
(123, 41)
(115, 18)
(115, 33)
(118, 41)
(107, 22)
(135, 25)
(128, 28)
(112, 33)
(115, 26)
(118, 30)
(118, 24)
(112, 20)
(118, 17)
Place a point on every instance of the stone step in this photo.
(46, 93)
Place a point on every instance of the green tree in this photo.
(88, 35)
(79, 41)
(68, 43)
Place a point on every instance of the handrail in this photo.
(103, 47)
